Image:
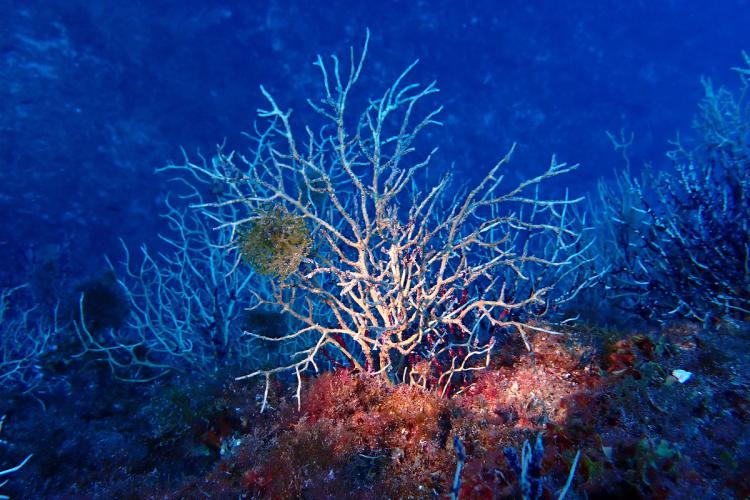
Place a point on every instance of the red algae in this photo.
(357, 437)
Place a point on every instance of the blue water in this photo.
(98, 94)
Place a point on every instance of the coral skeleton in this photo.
(411, 283)
(185, 305)
(27, 335)
(10, 470)
(677, 244)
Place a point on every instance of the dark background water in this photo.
(97, 94)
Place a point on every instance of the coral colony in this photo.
(391, 331)
(406, 280)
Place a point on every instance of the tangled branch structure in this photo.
(678, 244)
(410, 283)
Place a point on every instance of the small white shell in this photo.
(681, 375)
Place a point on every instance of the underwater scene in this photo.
(374, 250)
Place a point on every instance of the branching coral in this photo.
(409, 282)
(678, 243)
(10, 470)
(26, 336)
(185, 304)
